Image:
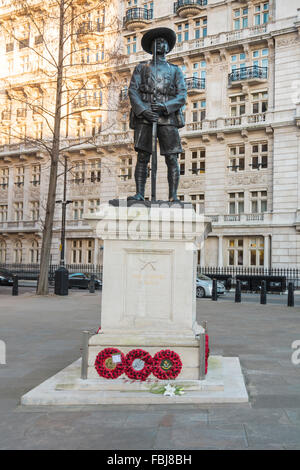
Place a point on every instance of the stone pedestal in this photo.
(149, 282)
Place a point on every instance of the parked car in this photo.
(6, 277)
(204, 286)
(82, 280)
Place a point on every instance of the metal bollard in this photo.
(15, 287)
(238, 292)
(263, 293)
(214, 294)
(291, 298)
(92, 284)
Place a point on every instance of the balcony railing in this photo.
(86, 102)
(194, 83)
(247, 73)
(87, 27)
(189, 3)
(220, 124)
(140, 16)
(232, 218)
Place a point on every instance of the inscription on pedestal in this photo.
(148, 285)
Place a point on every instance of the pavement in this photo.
(43, 335)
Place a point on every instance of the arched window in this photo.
(18, 252)
(34, 252)
(2, 251)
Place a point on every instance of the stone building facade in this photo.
(241, 159)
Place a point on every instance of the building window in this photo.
(89, 251)
(3, 212)
(200, 28)
(80, 130)
(259, 156)
(125, 168)
(237, 158)
(34, 210)
(18, 211)
(99, 56)
(2, 251)
(36, 175)
(260, 57)
(240, 18)
(238, 61)
(198, 110)
(131, 44)
(259, 202)
(94, 205)
(199, 69)
(19, 176)
(235, 252)
(237, 105)
(96, 125)
(198, 202)
(182, 32)
(256, 252)
(261, 13)
(4, 178)
(95, 171)
(236, 203)
(76, 251)
(34, 252)
(198, 161)
(181, 162)
(259, 102)
(38, 130)
(79, 173)
(24, 61)
(18, 252)
(78, 210)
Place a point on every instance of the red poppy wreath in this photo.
(138, 364)
(110, 363)
(166, 365)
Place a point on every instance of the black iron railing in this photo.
(138, 14)
(90, 27)
(246, 73)
(236, 272)
(182, 3)
(194, 83)
(31, 271)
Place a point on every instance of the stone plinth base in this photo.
(186, 346)
(224, 383)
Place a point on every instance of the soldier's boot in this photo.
(140, 175)
(173, 176)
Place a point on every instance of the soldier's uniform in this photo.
(164, 85)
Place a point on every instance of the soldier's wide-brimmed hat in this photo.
(166, 33)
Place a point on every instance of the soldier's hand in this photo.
(150, 116)
(159, 108)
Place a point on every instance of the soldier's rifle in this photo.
(154, 136)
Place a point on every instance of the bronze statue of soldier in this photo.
(157, 94)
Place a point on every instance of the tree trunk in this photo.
(43, 287)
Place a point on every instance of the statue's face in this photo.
(162, 46)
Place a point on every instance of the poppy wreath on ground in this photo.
(138, 364)
(106, 366)
(166, 364)
(206, 352)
